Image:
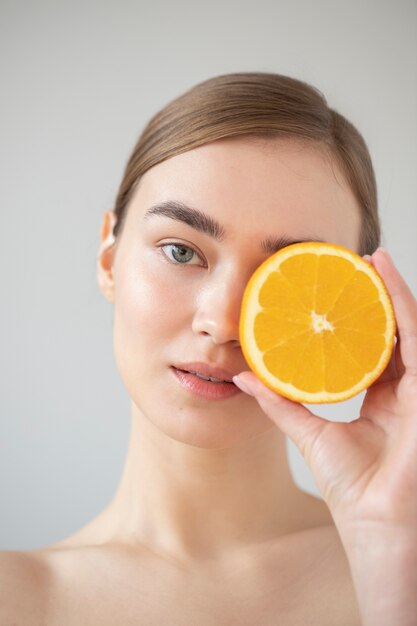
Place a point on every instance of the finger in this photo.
(295, 420)
(405, 307)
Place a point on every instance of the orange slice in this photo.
(317, 324)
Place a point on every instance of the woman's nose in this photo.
(217, 310)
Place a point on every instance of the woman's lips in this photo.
(208, 370)
(205, 388)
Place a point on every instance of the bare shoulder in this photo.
(328, 581)
(24, 578)
(312, 568)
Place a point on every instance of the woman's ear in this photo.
(105, 256)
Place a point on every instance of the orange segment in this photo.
(301, 273)
(334, 274)
(317, 323)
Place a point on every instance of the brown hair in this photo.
(256, 104)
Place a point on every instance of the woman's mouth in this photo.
(206, 387)
(213, 380)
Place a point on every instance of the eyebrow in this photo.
(204, 223)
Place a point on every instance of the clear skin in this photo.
(201, 456)
(211, 457)
(207, 525)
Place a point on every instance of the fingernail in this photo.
(242, 386)
(385, 252)
(367, 257)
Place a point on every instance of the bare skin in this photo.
(298, 578)
(207, 525)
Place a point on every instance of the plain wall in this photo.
(79, 80)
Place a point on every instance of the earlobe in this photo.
(106, 255)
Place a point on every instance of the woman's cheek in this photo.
(153, 304)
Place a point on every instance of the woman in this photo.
(207, 525)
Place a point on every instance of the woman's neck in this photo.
(196, 503)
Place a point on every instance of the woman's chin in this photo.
(210, 429)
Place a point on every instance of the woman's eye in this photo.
(180, 254)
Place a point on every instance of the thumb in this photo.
(294, 419)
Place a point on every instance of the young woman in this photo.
(207, 526)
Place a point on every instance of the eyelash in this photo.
(179, 245)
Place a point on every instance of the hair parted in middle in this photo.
(255, 104)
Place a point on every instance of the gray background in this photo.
(79, 80)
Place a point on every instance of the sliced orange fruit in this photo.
(317, 323)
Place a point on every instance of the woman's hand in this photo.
(366, 470)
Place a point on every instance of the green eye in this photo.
(182, 255)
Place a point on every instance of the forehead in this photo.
(256, 186)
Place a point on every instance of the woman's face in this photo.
(177, 287)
